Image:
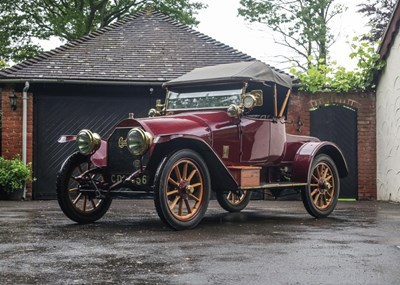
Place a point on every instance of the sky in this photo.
(221, 22)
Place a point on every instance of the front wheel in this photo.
(76, 184)
(322, 191)
(233, 201)
(182, 191)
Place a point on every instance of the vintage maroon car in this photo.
(223, 129)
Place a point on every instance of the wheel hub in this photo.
(185, 188)
(322, 185)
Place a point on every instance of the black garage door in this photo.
(68, 111)
(338, 124)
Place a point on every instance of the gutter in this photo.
(24, 127)
(87, 82)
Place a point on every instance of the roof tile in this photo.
(143, 47)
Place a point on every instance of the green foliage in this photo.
(302, 24)
(24, 20)
(322, 77)
(378, 13)
(13, 174)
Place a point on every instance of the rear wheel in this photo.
(183, 191)
(233, 201)
(322, 191)
(76, 190)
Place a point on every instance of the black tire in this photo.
(80, 207)
(322, 192)
(233, 201)
(183, 190)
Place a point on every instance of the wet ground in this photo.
(270, 242)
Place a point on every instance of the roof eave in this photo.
(80, 81)
(391, 29)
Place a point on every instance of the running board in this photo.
(274, 185)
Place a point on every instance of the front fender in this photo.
(221, 178)
(99, 158)
(306, 153)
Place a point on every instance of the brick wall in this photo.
(365, 105)
(12, 128)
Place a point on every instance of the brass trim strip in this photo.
(273, 185)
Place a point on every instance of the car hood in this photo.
(199, 124)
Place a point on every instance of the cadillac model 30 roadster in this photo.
(221, 128)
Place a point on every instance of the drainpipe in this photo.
(24, 126)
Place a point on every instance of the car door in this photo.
(262, 140)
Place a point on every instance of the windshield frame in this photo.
(203, 94)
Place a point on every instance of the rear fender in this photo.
(221, 178)
(99, 158)
(305, 154)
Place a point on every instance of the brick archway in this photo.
(365, 104)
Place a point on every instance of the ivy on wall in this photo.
(331, 77)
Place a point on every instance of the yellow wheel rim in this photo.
(185, 190)
(322, 186)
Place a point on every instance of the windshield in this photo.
(203, 99)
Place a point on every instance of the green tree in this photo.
(23, 20)
(378, 12)
(302, 24)
(337, 78)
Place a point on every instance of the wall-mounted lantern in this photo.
(299, 124)
(13, 101)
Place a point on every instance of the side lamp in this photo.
(299, 124)
(13, 101)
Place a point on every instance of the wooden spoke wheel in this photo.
(322, 192)
(76, 191)
(233, 201)
(183, 192)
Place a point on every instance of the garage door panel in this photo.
(58, 115)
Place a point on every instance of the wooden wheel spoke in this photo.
(178, 173)
(196, 185)
(325, 172)
(185, 170)
(172, 192)
(315, 191)
(180, 210)
(84, 203)
(319, 171)
(316, 199)
(194, 171)
(328, 195)
(315, 178)
(93, 204)
(172, 181)
(194, 197)
(173, 204)
(188, 206)
(324, 201)
(73, 190)
(77, 199)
